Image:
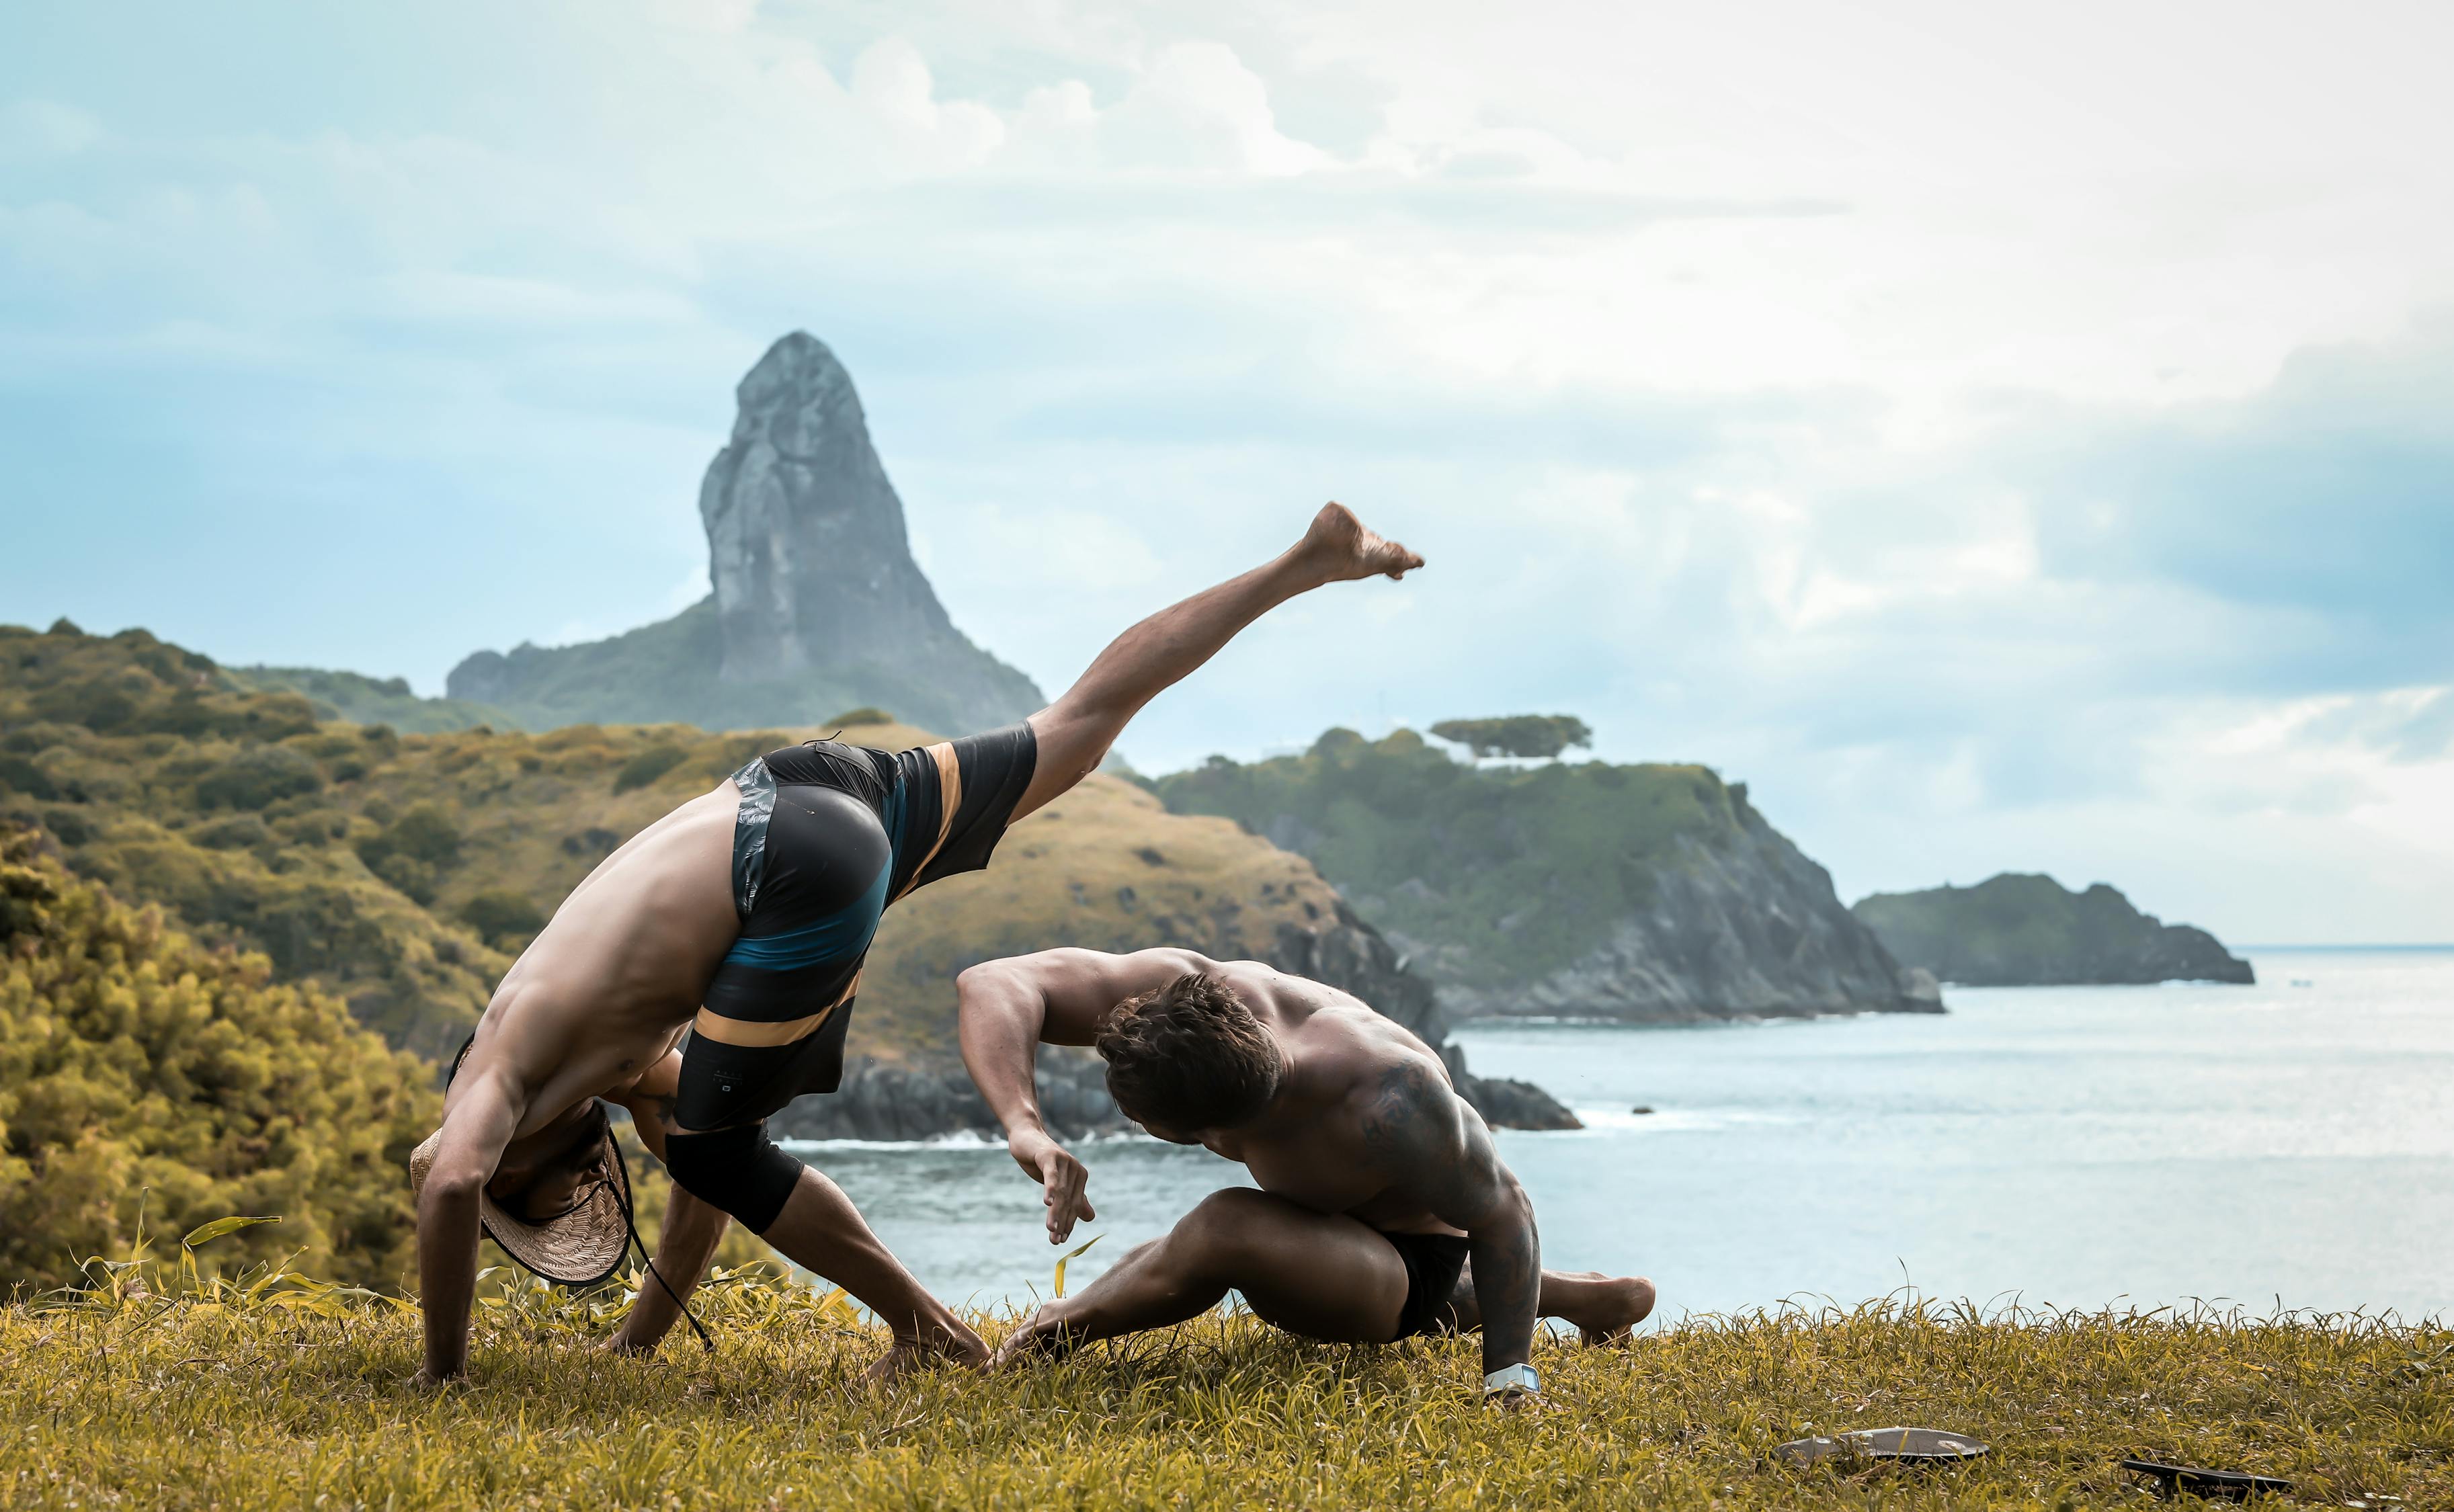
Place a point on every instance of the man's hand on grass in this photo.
(1061, 1178)
(428, 1378)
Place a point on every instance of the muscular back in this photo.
(606, 988)
(1359, 1105)
(1354, 1078)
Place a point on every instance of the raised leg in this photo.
(1320, 1275)
(1075, 732)
(820, 1230)
(1604, 1309)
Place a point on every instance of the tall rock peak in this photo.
(817, 606)
(805, 535)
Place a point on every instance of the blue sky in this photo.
(2005, 443)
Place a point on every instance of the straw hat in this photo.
(577, 1248)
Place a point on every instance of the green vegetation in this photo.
(1514, 872)
(2021, 930)
(362, 700)
(159, 1400)
(400, 871)
(143, 1076)
(1541, 735)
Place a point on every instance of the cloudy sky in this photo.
(2005, 442)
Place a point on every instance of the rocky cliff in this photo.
(817, 608)
(2029, 930)
(1640, 893)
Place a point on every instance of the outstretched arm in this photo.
(1009, 1008)
(1439, 1152)
(476, 1129)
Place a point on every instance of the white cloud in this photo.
(1721, 358)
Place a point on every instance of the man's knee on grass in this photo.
(1189, 1059)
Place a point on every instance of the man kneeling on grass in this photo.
(1377, 1182)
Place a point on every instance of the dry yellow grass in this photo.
(148, 1401)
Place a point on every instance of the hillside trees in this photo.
(141, 1072)
(1541, 735)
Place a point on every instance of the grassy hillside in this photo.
(1507, 873)
(362, 700)
(171, 1404)
(405, 872)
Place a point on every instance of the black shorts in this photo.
(827, 837)
(1434, 1261)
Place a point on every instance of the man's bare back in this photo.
(1352, 1071)
(602, 993)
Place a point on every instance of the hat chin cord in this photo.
(632, 1226)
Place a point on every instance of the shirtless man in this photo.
(743, 916)
(1377, 1182)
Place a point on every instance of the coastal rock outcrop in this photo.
(2021, 929)
(817, 605)
(1645, 894)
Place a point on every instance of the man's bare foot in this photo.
(1616, 1305)
(959, 1347)
(1043, 1337)
(1343, 550)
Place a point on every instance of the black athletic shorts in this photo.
(1434, 1261)
(829, 834)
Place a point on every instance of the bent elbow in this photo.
(449, 1188)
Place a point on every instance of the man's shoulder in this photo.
(1399, 1094)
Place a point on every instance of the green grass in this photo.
(146, 1402)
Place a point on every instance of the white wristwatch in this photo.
(1512, 1378)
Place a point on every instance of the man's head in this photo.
(547, 1173)
(1188, 1058)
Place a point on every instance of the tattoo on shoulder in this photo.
(1396, 1104)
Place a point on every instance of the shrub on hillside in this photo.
(413, 851)
(647, 766)
(140, 1072)
(501, 915)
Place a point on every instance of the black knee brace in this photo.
(738, 1170)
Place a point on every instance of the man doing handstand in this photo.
(744, 916)
(1377, 1182)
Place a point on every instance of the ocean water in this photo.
(2288, 1145)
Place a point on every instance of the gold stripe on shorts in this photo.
(950, 798)
(759, 1036)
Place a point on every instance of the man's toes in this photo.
(1392, 559)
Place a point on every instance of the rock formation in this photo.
(1742, 925)
(2029, 930)
(817, 605)
(1644, 894)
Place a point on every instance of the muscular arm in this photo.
(1439, 1152)
(474, 1132)
(692, 1228)
(1009, 1008)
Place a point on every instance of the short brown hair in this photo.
(1189, 1055)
